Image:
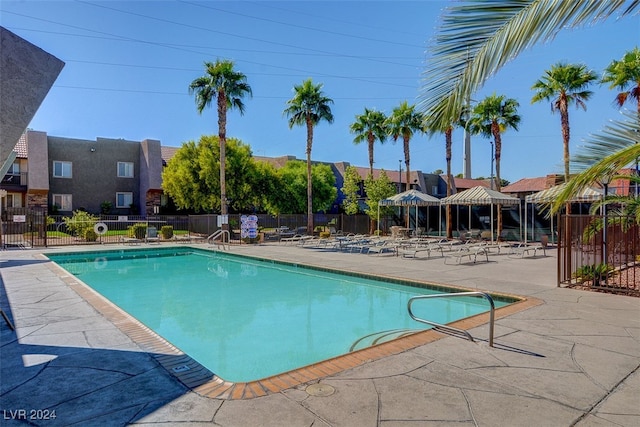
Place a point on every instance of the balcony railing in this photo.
(15, 179)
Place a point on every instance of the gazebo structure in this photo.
(549, 195)
(409, 198)
(481, 196)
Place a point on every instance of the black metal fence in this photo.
(597, 257)
(22, 227)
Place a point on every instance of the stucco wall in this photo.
(26, 75)
(94, 171)
(37, 161)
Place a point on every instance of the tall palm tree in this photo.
(478, 38)
(227, 86)
(309, 106)
(491, 117)
(370, 126)
(625, 75)
(404, 122)
(563, 85)
(448, 140)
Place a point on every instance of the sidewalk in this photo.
(572, 360)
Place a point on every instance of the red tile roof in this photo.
(527, 185)
(467, 183)
(21, 147)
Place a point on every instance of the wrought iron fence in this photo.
(597, 257)
(22, 227)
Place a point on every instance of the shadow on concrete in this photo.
(21, 262)
(77, 385)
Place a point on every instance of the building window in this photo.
(62, 169)
(62, 202)
(14, 169)
(124, 200)
(125, 170)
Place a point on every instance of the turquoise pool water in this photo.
(247, 319)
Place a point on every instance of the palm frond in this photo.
(476, 38)
(616, 147)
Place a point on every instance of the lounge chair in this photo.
(152, 235)
(382, 246)
(130, 240)
(525, 249)
(293, 239)
(413, 251)
(468, 251)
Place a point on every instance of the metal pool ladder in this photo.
(220, 235)
(447, 328)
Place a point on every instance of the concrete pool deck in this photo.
(572, 360)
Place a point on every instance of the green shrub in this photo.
(105, 207)
(80, 222)
(137, 230)
(325, 234)
(166, 231)
(594, 271)
(90, 235)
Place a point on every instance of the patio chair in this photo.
(152, 235)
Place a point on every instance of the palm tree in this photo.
(370, 126)
(476, 39)
(308, 107)
(403, 122)
(448, 140)
(563, 85)
(625, 75)
(491, 117)
(227, 86)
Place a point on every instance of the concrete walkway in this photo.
(572, 360)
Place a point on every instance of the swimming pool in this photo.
(246, 319)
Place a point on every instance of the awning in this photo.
(410, 198)
(551, 194)
(480, 196)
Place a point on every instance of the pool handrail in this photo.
(220, 234)
(451, 328)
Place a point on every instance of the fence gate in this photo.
(23, 227)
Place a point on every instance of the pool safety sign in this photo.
(249, 226)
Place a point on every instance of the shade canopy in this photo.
(480, 196)
(551, 194)
(410, 198)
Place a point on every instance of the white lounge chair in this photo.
(130, 240)
(468, 251)
(526, 248)
(293, 239)
(413, 251)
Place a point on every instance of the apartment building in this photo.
(64, 174)
(61, 175)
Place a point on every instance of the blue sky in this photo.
(129, 64)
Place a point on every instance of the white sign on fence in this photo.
(19, 218)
